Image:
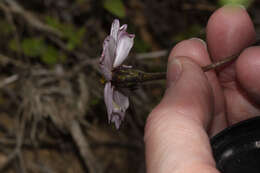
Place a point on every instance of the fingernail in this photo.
(200, 40)
(173, 72)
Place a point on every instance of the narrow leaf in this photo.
(116, 7)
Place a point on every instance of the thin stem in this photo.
(129, 78)
(219, 63)
(153, 76)
(162, 75)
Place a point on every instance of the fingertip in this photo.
(229, 30)
(194, 48)
(248, 70)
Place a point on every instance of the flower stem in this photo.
(219, 63)
(130, 78)
(153, 76)
(162, 75)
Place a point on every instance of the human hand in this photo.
(197, 105)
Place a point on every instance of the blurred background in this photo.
(52, 114)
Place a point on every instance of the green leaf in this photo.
(6, 28)
(13, 45)
(62, 58)
(75, 38)
(53, 22)
(33, 46)
(116, 7)
(141, 45)
(192, 31)
(245, 3)
(72, 34)
(50, 56)
(94, 102)
(37, 48)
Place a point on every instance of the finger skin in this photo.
(198, 52)
(229, 31)
(175, 135)
(248, 70)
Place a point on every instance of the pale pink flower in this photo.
(116, 48)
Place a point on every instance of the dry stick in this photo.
(9, 80)
(9, 17)
(30, 18)
(19, 142)
(84, 148)
(152, 55)
(40, 167)
(5, 60)
(9, 160)
(17, 151)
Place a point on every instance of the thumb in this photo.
(188, 91)
(175, 135)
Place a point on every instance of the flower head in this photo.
(116, 48)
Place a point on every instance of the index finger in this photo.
(229, 31)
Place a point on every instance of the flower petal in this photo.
(121, 100)
(108, 97)
(121, 103)
(124, 45)
(117, 120)
(107, 58)
(116, 103)
(114, 29)
(123, 28)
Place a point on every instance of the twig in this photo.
(85, 60)
(19, 140)
(30, 18)
(9, 18)
(55, 35)
(40, 167)
(5, 60)
(17, 151)
(9, 80)
(93, 62)
(21, 162)
(152, 55)
(68, 147)
(84, 148)
(10, 158)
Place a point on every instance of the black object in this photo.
(237, 148)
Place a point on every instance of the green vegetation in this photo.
(245, 3)
(193, 31)
(6, 28)
(36, 47)
(141, 46)
(70, 32)
(116, 7)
